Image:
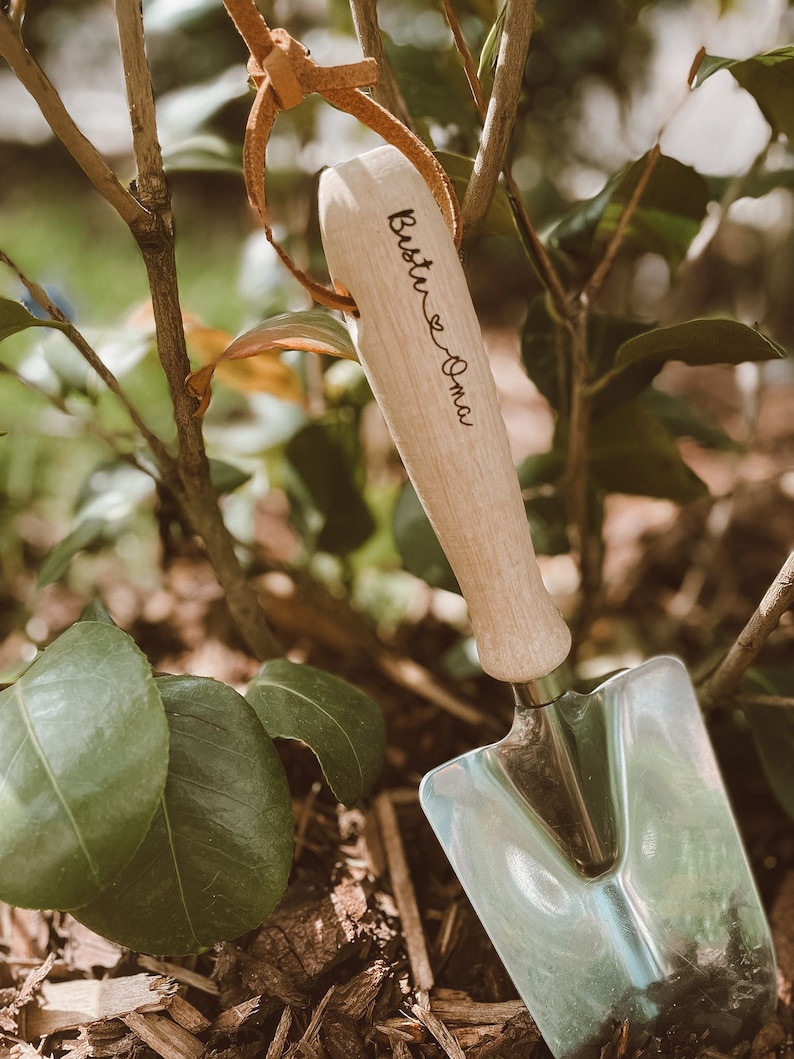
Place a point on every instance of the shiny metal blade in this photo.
(598, 847)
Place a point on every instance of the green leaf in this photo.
(326, 505)
(342, 725)
(543, 343)
(14, 317)
(769, 78)
(202, 152)
(773, 731)
(666, 221)
(216, 859)
(87, 532)
(83, 759)
(631, 452)
(226, 477)
(698, 342)
(682, 422)
(417, 543)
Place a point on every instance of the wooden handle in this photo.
(420, 345)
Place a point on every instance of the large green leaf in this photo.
(697, 342)
(669, 215)
(14, 317)
(769, 78)
(773, 730)
(217, 857)
(83, 759)
(632, 452)
(341, 724)
(326, 505)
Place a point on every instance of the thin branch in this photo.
(30, 74)
(89, 354)
(501, 113)
(535, 249)
(781, 702)
(150, 180)
(191, 483)
(595, 283)
(469, 65)
(387, 90)
(726, 678)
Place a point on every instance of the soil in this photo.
(374, 950)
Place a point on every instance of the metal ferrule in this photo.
(535, 694)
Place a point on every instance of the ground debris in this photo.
(14, 1001)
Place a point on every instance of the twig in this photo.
(405, 897)
(276, 1047)
(501, 112)
(30, 74)
(727, 676)
(593, 286)
(778, 702)
(92, 358)
(450, 1045)
(469, 65)
(535, 249)
(387, 90)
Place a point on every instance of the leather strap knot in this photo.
(283, 74)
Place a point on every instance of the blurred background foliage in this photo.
(604, 78)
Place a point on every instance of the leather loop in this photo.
(283, 73)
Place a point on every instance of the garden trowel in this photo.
(595, 841)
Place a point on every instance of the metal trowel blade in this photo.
(598, 847)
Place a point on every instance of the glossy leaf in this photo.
(668, 217)
(631, 452)
(83, 760)
(769, 78)
(216, 859)
(773, 731)
(326, 505)
(14, 317)
(698, 342)
(342, 726)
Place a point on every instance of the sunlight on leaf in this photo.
(314, 331)
(769, 78)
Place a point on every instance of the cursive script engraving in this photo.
(419, 267)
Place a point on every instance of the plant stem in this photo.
(593, 286)
(30, 74)
(725, 680)
(535, 249)
(500, 115)
(191, 483)
(387, 90)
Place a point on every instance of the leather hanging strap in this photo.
(284, 73)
